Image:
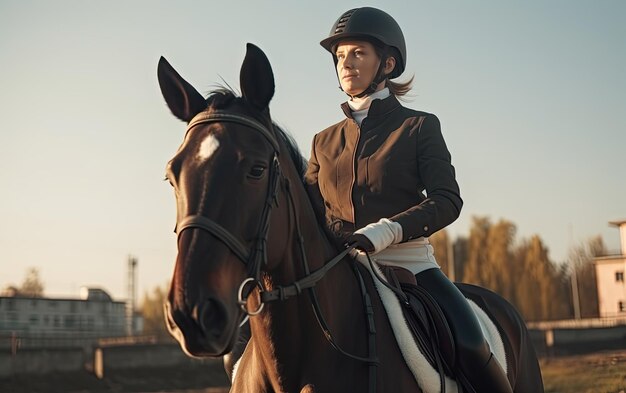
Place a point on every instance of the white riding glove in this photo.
(382, 233)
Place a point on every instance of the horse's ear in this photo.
(183, 100)
(256, 78)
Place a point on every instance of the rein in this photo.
(254, 259)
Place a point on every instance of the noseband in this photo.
(254, 259)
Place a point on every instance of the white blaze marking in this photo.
(208, 147)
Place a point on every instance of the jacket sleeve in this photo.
(312, 186)
(443, 200)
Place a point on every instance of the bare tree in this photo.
(152, 311)
(581, 262)
(32, 286)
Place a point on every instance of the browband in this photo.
(216, 116)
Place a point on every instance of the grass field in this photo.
(601, 372)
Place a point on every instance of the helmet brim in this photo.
(331, 42)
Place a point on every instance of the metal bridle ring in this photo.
(243, 302)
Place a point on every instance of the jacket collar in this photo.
(378, 108)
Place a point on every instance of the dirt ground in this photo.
(600, 372)
(195, 379)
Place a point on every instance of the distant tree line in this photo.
(521, 271)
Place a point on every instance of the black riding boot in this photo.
(474, 357)
(491, 378)
(233, 357)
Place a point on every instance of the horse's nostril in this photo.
(177, 319)
(211, 316)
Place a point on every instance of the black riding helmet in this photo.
(373, 25)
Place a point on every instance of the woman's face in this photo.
(357, 64)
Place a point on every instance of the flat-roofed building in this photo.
(610, 272)
(94, 314)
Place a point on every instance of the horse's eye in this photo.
(257, 171)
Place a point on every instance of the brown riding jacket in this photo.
(358, 175)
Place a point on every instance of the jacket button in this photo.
(425, 228)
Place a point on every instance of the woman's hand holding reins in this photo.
(360, 242)
(376, 236)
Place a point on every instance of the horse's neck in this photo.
(290, 329)
(289, 343)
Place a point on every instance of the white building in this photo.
(95, 314)
(610, 279)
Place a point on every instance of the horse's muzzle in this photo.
(211, 316)
(203, 332)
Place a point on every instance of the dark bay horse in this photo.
(247, 233)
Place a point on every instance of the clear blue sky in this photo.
(531, 96)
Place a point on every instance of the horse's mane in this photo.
(223, 97)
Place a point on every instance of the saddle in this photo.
(425, 320)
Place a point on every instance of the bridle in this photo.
(255, 258)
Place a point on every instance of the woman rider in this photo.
(368, 173)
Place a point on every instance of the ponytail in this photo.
(399, 89)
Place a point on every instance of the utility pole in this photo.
(575, 294)
(574, 276)
(131, 295)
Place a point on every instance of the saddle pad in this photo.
(425, 375)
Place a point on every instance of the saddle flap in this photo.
(424, 318)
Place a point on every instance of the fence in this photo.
(41, 361)
(119, 357)
(40, 354)
(559, 342)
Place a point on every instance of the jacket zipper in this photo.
(356, 146)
